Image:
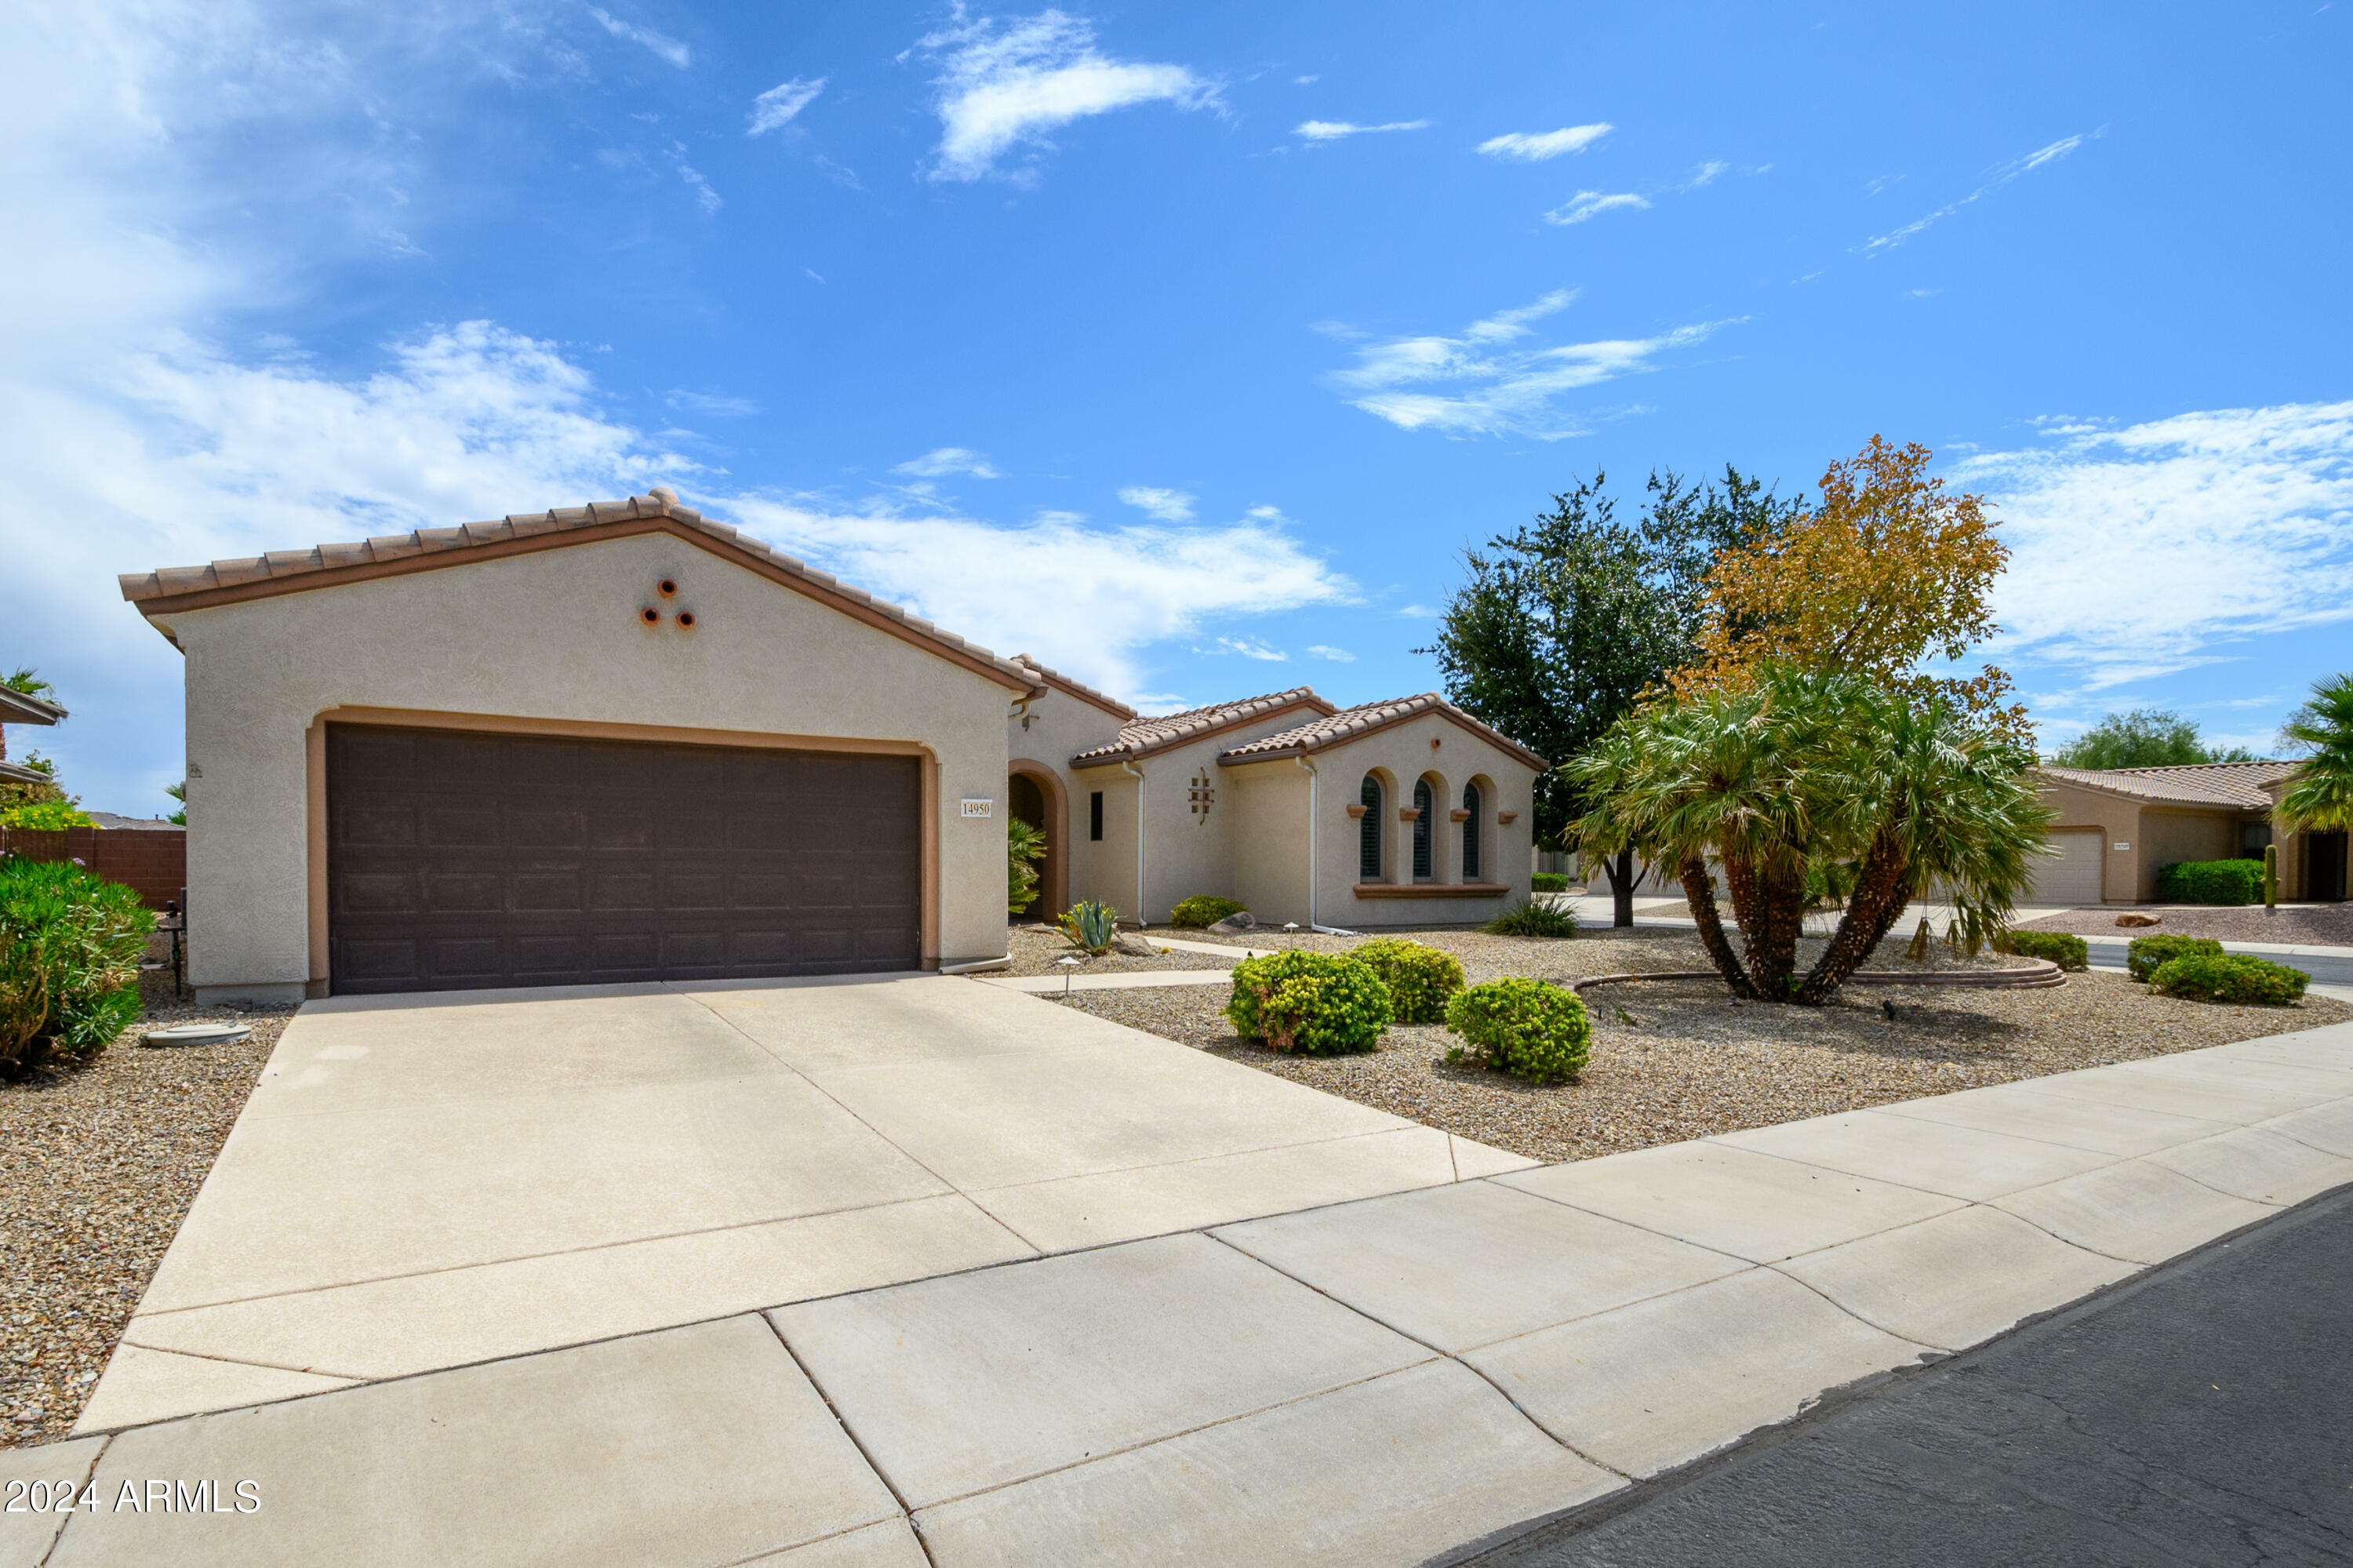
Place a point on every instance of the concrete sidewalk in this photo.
(1386, 1381)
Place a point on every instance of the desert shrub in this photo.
(1203, 910)
(1419, 979)
(69, 949)
(2211, 882)
(2067, 952)
(1025, 846)
(2146, 953)
(1550, 882)
(2229, 976)
(1319, 1004)
(45, 816)
(1091, 925)
(1529, 918)
(1522, 1027)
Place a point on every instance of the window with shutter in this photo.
(1421, 828)
(1471, 833)
(1368, 832)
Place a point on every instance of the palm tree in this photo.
(2319, 798)
(1815, 773)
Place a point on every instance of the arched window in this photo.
(1421, 803)
(1471, 833)
(1368, 832)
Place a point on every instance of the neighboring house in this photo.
(2119, 827)
(621, 742)
(18, 707)
(1408, 812)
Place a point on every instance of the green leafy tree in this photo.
(2145, 738)
(1566, 625)
(2319, 797)
(1795, 771)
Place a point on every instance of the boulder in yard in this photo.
(1240, 920)
(2140, 920)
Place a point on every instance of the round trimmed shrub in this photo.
(2146, 954)
(2230, 977)
(2067, 952)
(1419, 979)
(1319, 1004)
(1203, 910)
(1550, 882)
(1523, 1027)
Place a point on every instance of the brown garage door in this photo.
(458, 860)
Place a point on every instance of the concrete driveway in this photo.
(432, 1181)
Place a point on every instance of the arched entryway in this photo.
(1035, 795)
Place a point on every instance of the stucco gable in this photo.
(1346, 725)
(1162, 732)
(173, 590)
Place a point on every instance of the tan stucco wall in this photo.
(1054, 728)
(552, 635)
(1273, 818)
(2156, 835)
(1404, 752)
(1110, 864)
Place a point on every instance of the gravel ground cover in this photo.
(97, 1167)
(1034, 950)
(1681, 1060)
(2319, 924)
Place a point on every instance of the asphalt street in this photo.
(2200, 1414)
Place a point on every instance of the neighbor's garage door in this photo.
(458, 860)
(2070, 874)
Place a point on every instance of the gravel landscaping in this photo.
(2298, 925)
(1681, 1059)
(1036, 949)
(97, 1167)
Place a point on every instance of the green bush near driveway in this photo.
(70, 948)
(1550, 882)
(2146, 954)
(1419, 979)
(1318, 1004)
(1529, 918)
(2230, 977)
(1523, 1027)
(1203, 910)
(2067, 952)
(2228, 881)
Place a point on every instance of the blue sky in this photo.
(1185, 348)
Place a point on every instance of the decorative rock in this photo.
(2140, 920)
(1240, 920)
(196, 1034)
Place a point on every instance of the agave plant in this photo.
(1092, 927)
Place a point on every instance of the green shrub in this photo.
(45, 817)
(1522, 1027)
(2067, 952)
(1025, 846)
(2146, 953)
(2230, 977)
(1319, 1004)
(1092, 927)
(1419, 979)
(1203, 910)
(69, 949)
(1528, 918)
(1550, 882)
(2211, 882)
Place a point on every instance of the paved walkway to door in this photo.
(429, 1182)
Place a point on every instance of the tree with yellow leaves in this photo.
(1888, 570)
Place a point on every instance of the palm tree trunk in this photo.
(1773, 957)
(1702, 893)
(1881, 889)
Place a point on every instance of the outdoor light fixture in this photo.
(1066, 965)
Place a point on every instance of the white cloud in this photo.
(1248, 648)
(1339, 130)
(778, 107)
(1305, 80)
(2143, 550)
(1535, 147)
(942, 461)
(1006, 81)
(1468, 385)
(1419, 612)
(665, 48)
(705, 198)
(1166, 506)
(1337, 655)
(1591, 204)
(709, 405)
(1994, 182)
(1707, 173)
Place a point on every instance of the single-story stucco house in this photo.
(624, 742)
(2119, 827)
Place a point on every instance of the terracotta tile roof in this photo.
(1159, 732)
(1083, 693)
(1348, 723)
(2239, 784)
(283, 571)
